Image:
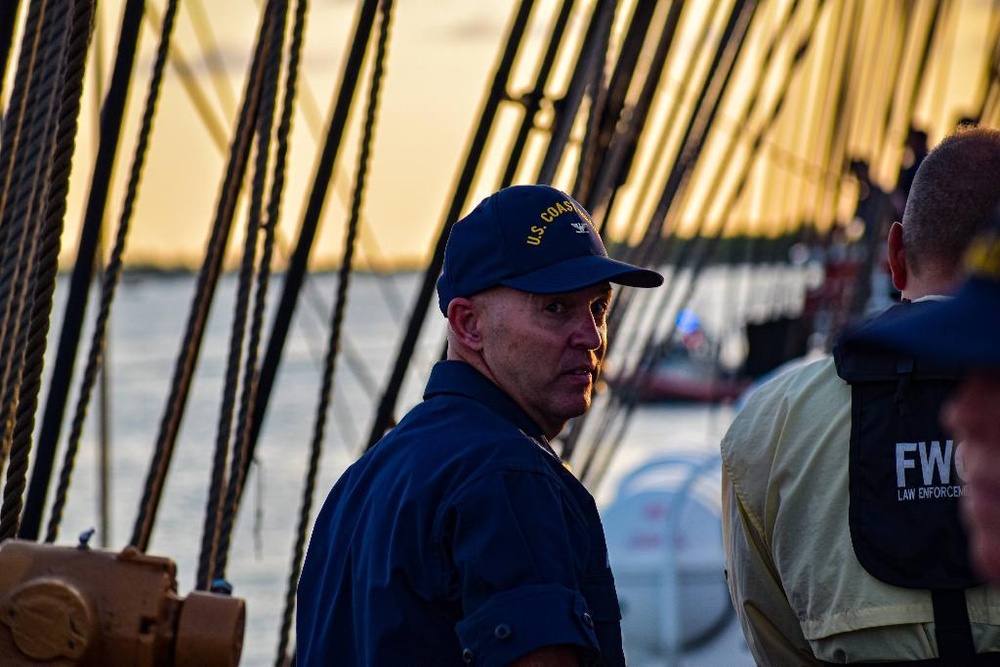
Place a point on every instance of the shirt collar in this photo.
(461, 379)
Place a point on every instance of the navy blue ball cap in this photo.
(962, 331)
(533, 238)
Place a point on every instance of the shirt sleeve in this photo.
(519, 549)
(772, 630)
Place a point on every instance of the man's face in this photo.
(546, 350)
(973, 415)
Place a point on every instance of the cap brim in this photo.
(580, 272)
(962, 331)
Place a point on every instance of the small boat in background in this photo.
(686, 375)
(687, 369)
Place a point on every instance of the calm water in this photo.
(151, 314)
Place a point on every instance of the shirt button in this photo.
(502, 632)
(587, 620)
(468, 657)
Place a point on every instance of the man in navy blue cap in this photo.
(460, 537)
(965, 332)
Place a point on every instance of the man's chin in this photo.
(578, 407)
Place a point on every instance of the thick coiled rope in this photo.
(21, 116)
(32, 344)
(49, 76)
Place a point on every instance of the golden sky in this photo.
(440, 54)
(441, 57)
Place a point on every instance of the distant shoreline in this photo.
(733, 250)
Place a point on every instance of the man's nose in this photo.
(588, 333)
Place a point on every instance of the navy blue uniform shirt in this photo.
(459, 538)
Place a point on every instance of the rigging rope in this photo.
(17, 109)
(606, 96)
(670, 126)
(33, 344)
(614, 153)
(532, 99)
(219, 512)
(112, 275)
(307, 105)
(755, 254)
(8, 17)
(270, 227)
(296, 270)
(881, 216)
(23, 219)
(591, 60)
(32, 109)
(187, 358)
(212, 54)
(613, 128)
(488, 115)
(714, 86)
(187, 77)
(697, 124)
(709, 245)
(336, 325)
(838, 120)
(10, 153)
(111, 118)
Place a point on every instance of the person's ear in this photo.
(897, 257)
(465, 320)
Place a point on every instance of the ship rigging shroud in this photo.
(695, 133)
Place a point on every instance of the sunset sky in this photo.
(440, 54)
(441, 57)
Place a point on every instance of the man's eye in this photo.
(555, 307)
(599, 308)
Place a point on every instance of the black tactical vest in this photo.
(905, 482)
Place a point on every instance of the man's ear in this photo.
(897, 257)
(465, 320)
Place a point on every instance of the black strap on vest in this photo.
(951, 625)
(896, 399)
